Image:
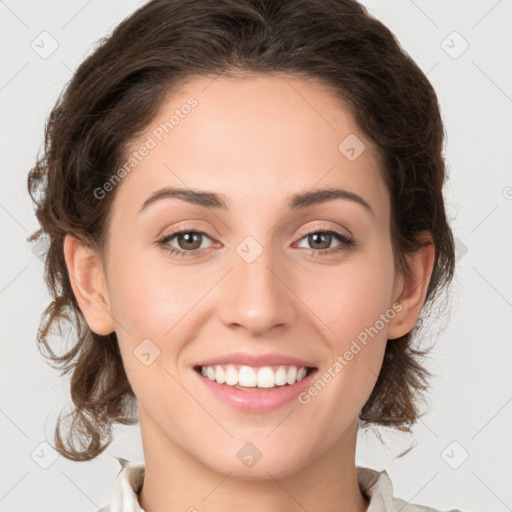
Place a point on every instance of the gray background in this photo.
(462, 456)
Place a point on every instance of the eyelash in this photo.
(346, 242)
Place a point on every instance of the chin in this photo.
(276, 466)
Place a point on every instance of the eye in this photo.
(320, 241)
(189, 240)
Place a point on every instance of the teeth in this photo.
(210, 372)
(220, 376)
(280, 378)
(246, 376)
(291, 376)
(266, 377)
(231, 376)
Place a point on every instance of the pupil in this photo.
(189, 238)
(315, 236)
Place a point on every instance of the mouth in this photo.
(255, 378)
(255, 382)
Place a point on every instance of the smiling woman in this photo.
(247, 286)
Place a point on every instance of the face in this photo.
(264, 274)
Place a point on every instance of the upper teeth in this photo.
(263, 377)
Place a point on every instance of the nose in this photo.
(258, 295)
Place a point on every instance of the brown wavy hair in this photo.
(117, 91)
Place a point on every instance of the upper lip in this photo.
(256, 360)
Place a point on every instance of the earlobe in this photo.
(412, 289)
(88, 281)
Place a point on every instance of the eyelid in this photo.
(346, 241)
(179, 227)
(308, 231)
(183, 229)
(316, 229)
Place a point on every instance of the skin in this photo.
(256, 140)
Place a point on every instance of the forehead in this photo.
(254, 139)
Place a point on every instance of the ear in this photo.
(89, 284)
(410, 289)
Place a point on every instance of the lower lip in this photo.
(255, 399)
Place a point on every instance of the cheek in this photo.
(149, 298)
(351, 297)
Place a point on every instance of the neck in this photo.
(176, 481)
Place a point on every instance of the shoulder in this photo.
(127, 486)
(379, 489)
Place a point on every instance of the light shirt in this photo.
(374, 484)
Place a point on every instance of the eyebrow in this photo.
(217, 201)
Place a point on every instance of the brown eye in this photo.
(188, 240)
(321, 240)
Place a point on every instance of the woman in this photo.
(245, 213)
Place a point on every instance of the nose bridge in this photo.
(257, 297)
